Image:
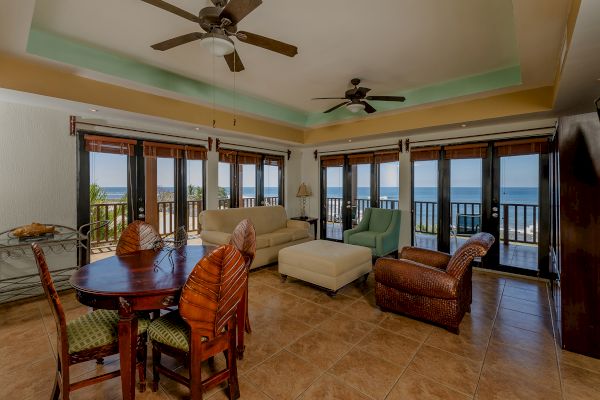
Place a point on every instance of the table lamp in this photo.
(303, 193)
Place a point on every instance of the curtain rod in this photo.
(487, 134)
(74, 122)
(381, 147)
(219, 143)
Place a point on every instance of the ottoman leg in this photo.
(331, 293)
(283, 278)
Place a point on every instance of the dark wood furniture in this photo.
(311, 220)
(429, 284)
(575, 238)
(83, 347)
(133, 283)
(244, 239)
(138, 235)
(205, 324)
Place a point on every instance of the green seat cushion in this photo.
(366, 239)
(97, 329)
(380, 220)
(171, 330)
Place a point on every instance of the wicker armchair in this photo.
(428, 284)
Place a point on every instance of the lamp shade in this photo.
(303, 191)
(218, 44)
(355, 107)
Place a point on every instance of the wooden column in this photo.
(151, 192)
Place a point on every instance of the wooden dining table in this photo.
(143, 281)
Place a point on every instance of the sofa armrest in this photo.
(296, 224)
(414, 278)
(215, 237)
(432, 258)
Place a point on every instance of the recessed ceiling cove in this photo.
(426, 50)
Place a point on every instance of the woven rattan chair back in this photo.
(476, 246)
(213, 290)
(244, 239)
(138, 235)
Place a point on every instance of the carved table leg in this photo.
(127, 348)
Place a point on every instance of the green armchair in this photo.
(379, 229)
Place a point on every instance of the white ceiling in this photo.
(392, 45)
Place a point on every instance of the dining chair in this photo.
(138, 235)
(244, 239)
(205, 324)
(89, 337)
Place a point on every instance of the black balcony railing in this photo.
(333, 208)
(249, 202)
(518, 222)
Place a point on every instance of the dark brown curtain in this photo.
(106, 144)
(164, 150)
(228, 156)
(472, 150)
(425, 153)
(276, 161)
(195, 153)
(363, 158)
(386, 156)
(521, 147)
(248, 158)
(332, 161)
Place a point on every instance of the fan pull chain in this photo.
(234, 88)
(214, 121)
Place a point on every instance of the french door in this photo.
(498, 187)
(350, 184)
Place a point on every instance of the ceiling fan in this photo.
(355, 99)
(219, 23)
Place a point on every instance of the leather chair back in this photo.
(476, 246)
(211, 294)
(244, 239)
(138, 235)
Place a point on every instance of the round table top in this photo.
(136, 274)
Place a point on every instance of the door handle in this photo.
(495, 215)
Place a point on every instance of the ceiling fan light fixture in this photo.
(355, 107)
(218, 44)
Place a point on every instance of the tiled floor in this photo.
(306, 345)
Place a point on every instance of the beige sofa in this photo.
(274, 231)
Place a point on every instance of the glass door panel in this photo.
(165, 196)
(465, 200)
(108, 201)
(334, 202)
(271, 185)
(519, 211)
(425, 204)
(195, 193)
(360, 191)
(247, 185)
(389, 181)
(224, 190)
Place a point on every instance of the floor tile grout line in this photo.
(489, 341)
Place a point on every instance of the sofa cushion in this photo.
(296, 233)
(277, 238)
(215, 237)
(262, 241)
(380, 220)
(366, 238)
(265, 219)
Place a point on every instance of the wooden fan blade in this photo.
(177, 41)
(336, 107)
(386, 98)
(362, 91)
(268, 43)
(368, 108)
(328, 98)
(236, 66)
(173, 9)
(236, 10)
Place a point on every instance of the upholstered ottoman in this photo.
(331, 265)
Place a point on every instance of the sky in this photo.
(388, 173)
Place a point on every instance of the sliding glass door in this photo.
(493, 187)
(351, 183)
